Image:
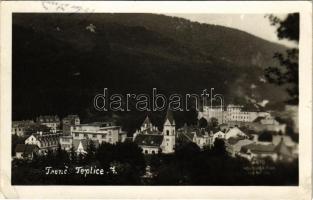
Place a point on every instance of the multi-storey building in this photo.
(50, 121)
(230, 113)
(68, 121)
(98, 132)
(44, 141)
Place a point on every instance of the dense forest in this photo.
(61, 61)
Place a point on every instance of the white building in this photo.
(101, 131)
(230, 113)
(235, 132)
(236, 113)
(218, 135)
(213, 112)
(44, 141)
(98, 132)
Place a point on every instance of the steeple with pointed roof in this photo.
(147, 121)
(147, 126)
(169, 118)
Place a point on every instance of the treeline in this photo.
(125, 164)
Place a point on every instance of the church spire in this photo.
(169, 117)
(147, 121)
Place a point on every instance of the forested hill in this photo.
(60, 61)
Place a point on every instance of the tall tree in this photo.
(288, 73)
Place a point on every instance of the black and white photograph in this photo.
(154, 98)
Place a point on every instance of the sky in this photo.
(255, 24)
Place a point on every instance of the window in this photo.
(94, 136)
(167, 132)
(146, 151)
(76, 135)
(103, 136)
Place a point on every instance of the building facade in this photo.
(98, 132)
(230, 113)
(51, 121)
(44, 141)
(20, 128)
(68, 121)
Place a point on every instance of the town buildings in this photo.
(239, 129)
(230, 113)
(200, 136)
(50, 121)
(98, 132)
(239, 141)
(19, 128)
(267, 123)
(26, 151)
(153, 141)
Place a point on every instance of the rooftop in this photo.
(25, 148)
(153, 140)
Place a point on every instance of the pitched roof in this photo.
(258, 119)
(282, 149)
(236, 144)
(259, 148)
(187, 132)
(169, 116)
(48, 137)
(147, 121)
(235, 132)
(200, 132)
(233, 140)
(153, 140)
(25, 148)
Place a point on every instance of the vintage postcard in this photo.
(156, 99)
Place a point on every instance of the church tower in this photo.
(169, 133)
(146, 125)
